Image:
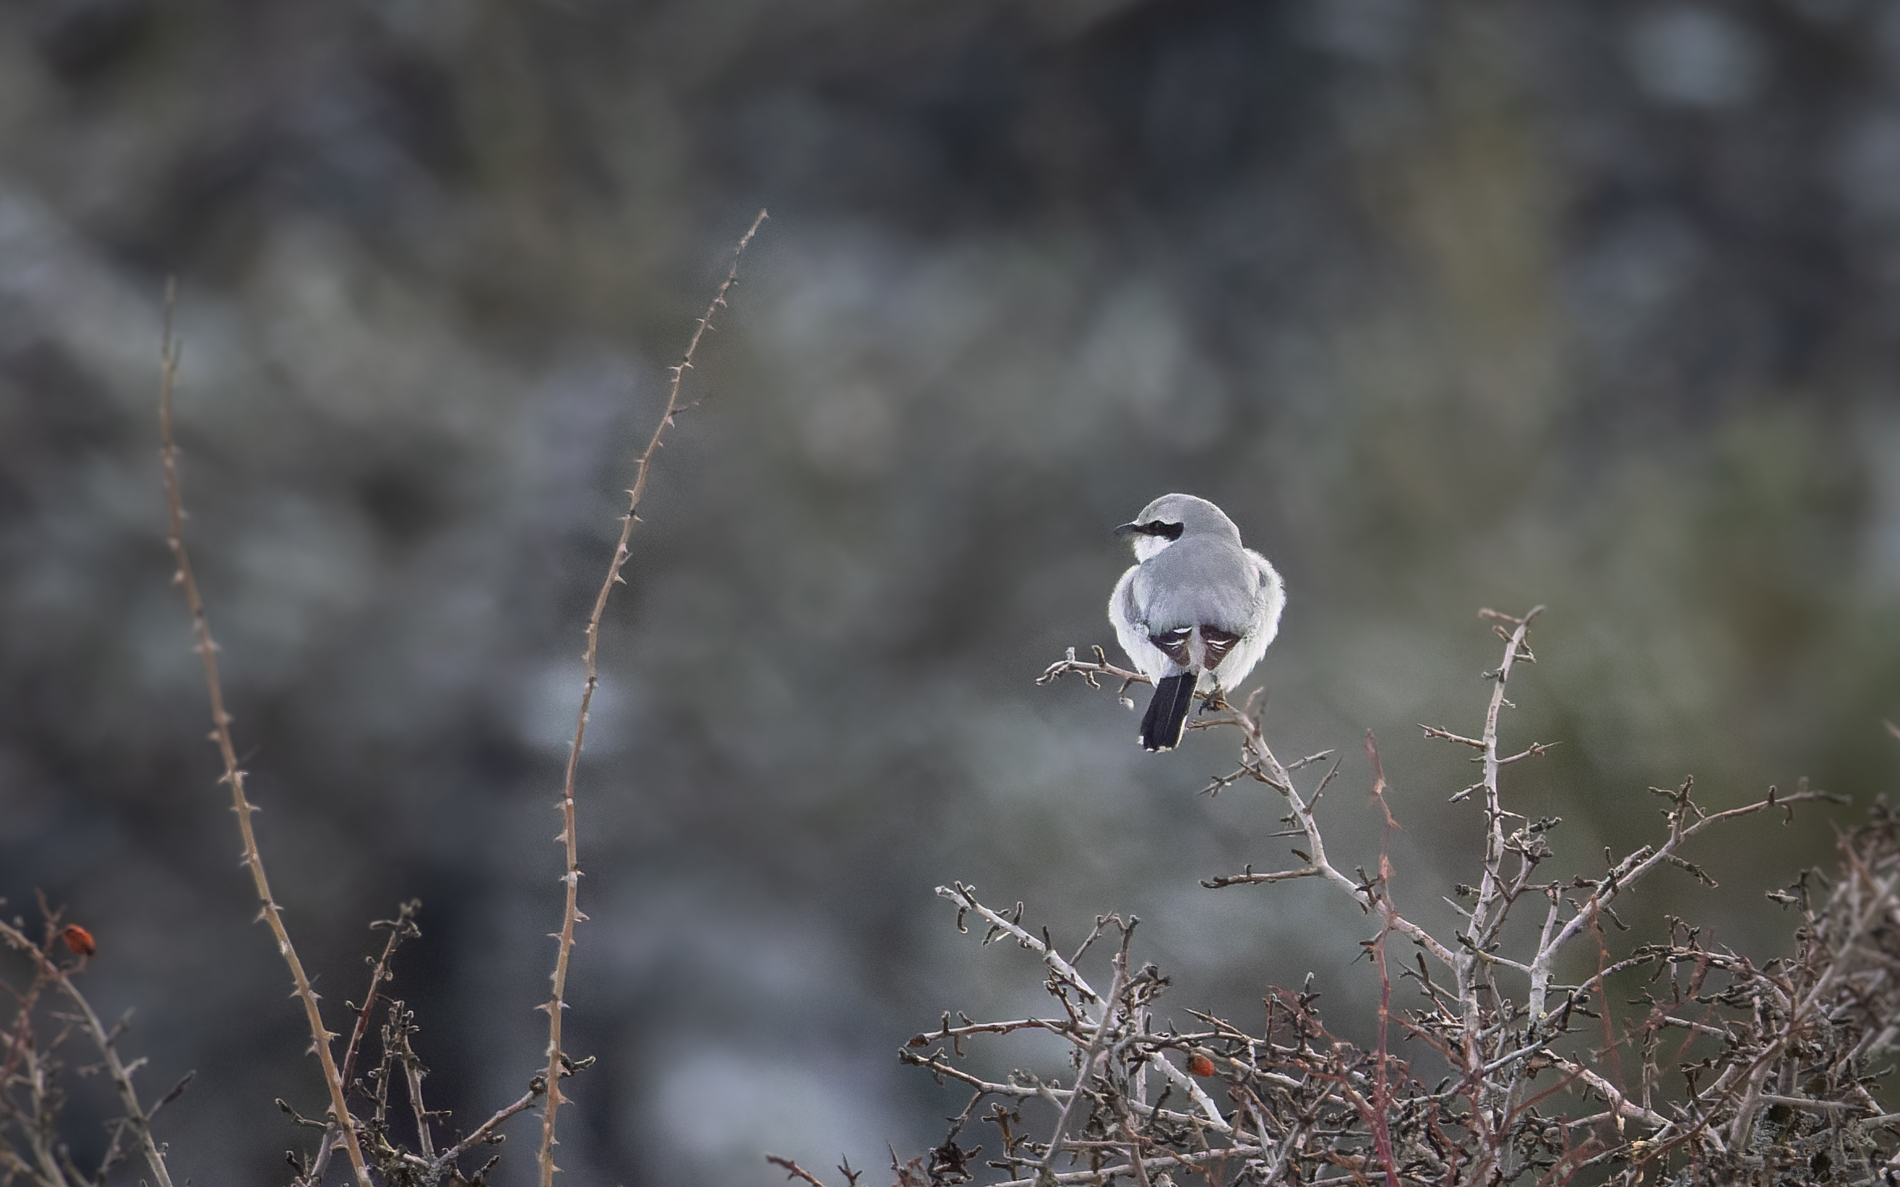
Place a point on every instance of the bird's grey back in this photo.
(1198, 581)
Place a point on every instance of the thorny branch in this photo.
(422, 1167)
(233, 777)
(571, 878)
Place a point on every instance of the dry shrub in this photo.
(1735, 1071)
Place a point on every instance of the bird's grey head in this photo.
(1170, 518)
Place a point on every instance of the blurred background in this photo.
(1450, 305)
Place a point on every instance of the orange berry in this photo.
(78, 939)
(1200, 1065)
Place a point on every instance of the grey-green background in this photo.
(1449, 304)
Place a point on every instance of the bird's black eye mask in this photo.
(1167, 531)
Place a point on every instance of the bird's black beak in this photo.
(1167, 531)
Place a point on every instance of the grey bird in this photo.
(1197, 603)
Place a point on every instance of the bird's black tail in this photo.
(1167, 712)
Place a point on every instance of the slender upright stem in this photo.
(233, 774)
(1097, 1043)
(571, 878)
(1471, 967)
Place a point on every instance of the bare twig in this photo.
(1097, 1042)
(400, 928)
(793, 1170)
(483, 1132)
(965, 898)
